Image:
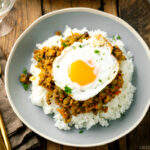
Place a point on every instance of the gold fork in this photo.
(2, 146)
(3, 135)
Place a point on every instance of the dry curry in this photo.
(69, 106)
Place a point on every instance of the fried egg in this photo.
(85, 68)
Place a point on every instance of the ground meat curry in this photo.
(69, 106)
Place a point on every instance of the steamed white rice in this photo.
(116, 107)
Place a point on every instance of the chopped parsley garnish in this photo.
(101, 58)
(100, 80)
(68, 89)
(39, 59)
(81, 131)
(103, 53)
(119, 106)
(26, 86)
(64, 44)
(112, 87)
(24, 71)
(114, 37)
(122, 114)
(80, 46)
(24, 79)
(73, 47)
(58, 66)
(118, 37)
(97, 51)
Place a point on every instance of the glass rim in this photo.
(8, 8)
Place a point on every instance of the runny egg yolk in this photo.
(81, 73)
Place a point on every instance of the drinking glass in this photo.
(6, 22)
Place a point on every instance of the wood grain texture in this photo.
(123, 143)
(140, 136)
(69, 148)
(86, 3)
(137, 14)
(114, 145)
(53, 146)
(110, 6)
(105, 147)
(51, 5)
(26, 12)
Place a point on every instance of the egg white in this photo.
(106, 64)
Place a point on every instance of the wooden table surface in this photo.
(135, 12)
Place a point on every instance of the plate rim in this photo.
(75, 9)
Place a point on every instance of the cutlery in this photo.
(3, 133)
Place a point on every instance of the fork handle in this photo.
(2, 146)
(4, 134)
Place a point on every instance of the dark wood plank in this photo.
(53, 146)
(43, 144)
(110, 6)
(123, 143)
(104, 147)
(69, 148)
(137, 14)
(140, 136)
(114, 145)
(86, 3)
(51, 5)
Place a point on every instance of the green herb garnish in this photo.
(26, 86)
(103, 53)
(101, 58)
(68, 89)
(100, 80)
(122, 114)
(119, 106)
(112, 87)
(25, 71)
(113, 37)
(97, 51)
(73, 47)
(64, 44)
(81, 131)
(58, 66)
(39, 59)
(80, 46)
(118, 37)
